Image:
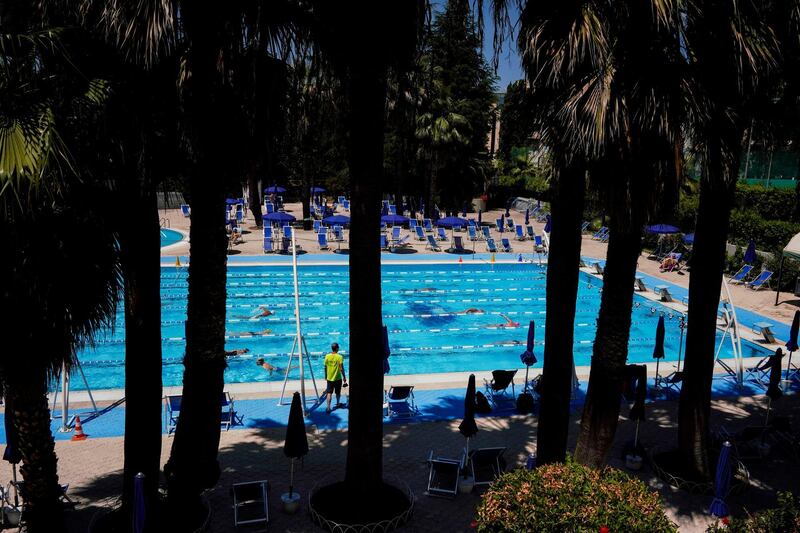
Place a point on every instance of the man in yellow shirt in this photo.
(334, 375)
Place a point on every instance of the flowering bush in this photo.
(784, 518)
(571, 497)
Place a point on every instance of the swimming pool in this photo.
(169, 237)
(423, 308)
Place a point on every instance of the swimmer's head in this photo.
(260, 361)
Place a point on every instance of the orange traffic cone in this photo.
(178, 262)
(460, 260)
(79, 434)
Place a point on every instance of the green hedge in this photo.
(784, 518)
(769, 204)
(770, 235)
(571, 497)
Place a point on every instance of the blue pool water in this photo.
(422, 306)
(169, 236)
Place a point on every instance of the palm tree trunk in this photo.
(708, 261)
(366, 91)
(140, 251)
(562, 290)
(27, 395)
(610, 351)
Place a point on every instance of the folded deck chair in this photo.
(520, 233)
(322, 240)
(761, 281)
(741, 275)
(663, 293)
(765, 330)
(506, 245)
(186, 210)
(531, 233)
(250, 502)
(443, 476)
(384, 242)
(486, 464)
(497, 387)
(432, 244)
(427, 224)
(487, 232)
(490, 246)
(458, 244)
(472, 232)
(420, 233)
(398, 402)
(639, 285)
(441, 234)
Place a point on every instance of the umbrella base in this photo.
(291, 502)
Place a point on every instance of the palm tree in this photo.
(731, 47)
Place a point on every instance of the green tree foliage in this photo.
(516, 121)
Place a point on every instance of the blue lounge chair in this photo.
(270, 208)
(599, 234)
(392, 209)
(761, 281)
(383, 226)
(399, 402)
(473, 234)
(267, 245)
(440, 234)
(605, 236)
(338, 234)
(510, 223)
(584, 226)
(396, 233)
(322, 240)
(538, 244)
(239, 214)
(346, 205)
(412, 223)
(384, 242)
(490, 246)
(458, 244)
(499, 224)
(340, 200)
(173, 410)
(520, 233)
(420, 233)
(428, 225)
(740, 276)
(317, 226)
(186, 210)
(287, 232)
(531, 233)
(432, 245)
(401, 243)
(506, 245)
(487, 232)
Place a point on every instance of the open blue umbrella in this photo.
(317, 190)
(663, 229)
(233, 201)
(394, 219)
(722, 482)
(791, 344)
(658, 349)
(279, 216)
(138, 503)
(750, 253)
(688, 238)
(336, 220)
(527, 216)
(274, 190)
(548, 225)
(451, 222)
(386, 351)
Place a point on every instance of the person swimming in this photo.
(513, 342)
(263, 311)
(250, 333)
(239, 351)
(509, 323)
(471, 311)
(427, 289)
(266, 366)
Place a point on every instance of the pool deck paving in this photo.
(253, 450)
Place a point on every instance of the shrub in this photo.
(771, 235)
(571, 497)
(784, 518)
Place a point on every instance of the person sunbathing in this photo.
(239, 351)
(669, 263)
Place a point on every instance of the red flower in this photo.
(604, 529)
(726, 521)
(473, 524)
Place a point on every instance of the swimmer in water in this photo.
(251, 333)
(263, 311)
(266, 366)
(471, 311)
(240, 351)
(509, 323)
(513, 342)
(427, 289)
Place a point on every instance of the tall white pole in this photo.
(735, 338)
(299, 339)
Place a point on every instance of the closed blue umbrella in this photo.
(274, 190)
(386, 351)
(451, 222)
(468, 427)
(480, 213)
(663, 229)
(791, 344)
(722, 482)
(464, 211)
(138, 503)
(527, 216)
(508, 207)
(279, 216)
(774, 387)
(502, 223)
(750, 253)
(527, 357)
(658, 349)
(394, 219)
(296, 444)
(548, 225)
(336, 220)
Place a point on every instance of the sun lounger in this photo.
(599, 234)
(499, 224)
(663, 292)
(420, 233)
(440, 234)
(458, 245)
(741, 274)
(520, 233)
(186, 210)
(538, 244)
(497, 387)
(384, 242)
(472, 232)
(584, 226)
(396, 233)
(490, 246)
(531, 233)
(338, 234)
(761, 281)
(287, 232)
(270, 208)
(505, 244)
(412, 223)
(432, 244)
(250, 502)
(443, 476)
(639, 285)
(317, 226)
(392, 209)
(487, 232)
(173, 409)
(398, 402)
(765, 330)
(486, 464)
(322, 240)
(428, 225)
(346, 205)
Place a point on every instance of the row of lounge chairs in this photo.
(760, 281)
